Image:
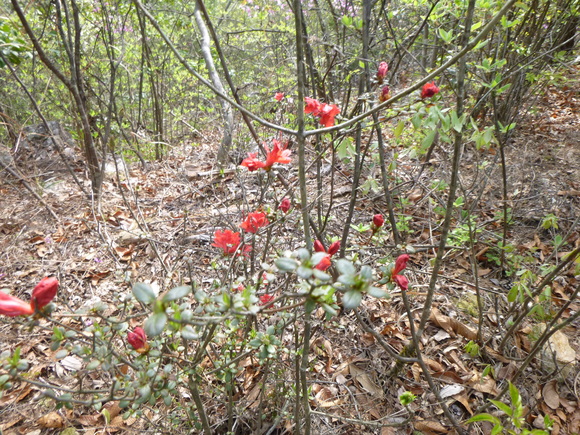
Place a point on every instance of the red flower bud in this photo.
(378, 220)
(400, 264)
(333, 248)
(12, 306)
(285, 205)
(44, 292)
(138, 339)
(429, 90)
(318, 246)
(382, 71)
(385, 94)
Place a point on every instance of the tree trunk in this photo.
(227, 114)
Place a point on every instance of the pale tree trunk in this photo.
(227, 114)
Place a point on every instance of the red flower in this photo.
(385, 94)
(312, 106)
(138, 340)
(279, 96)
(227, 240)
(266, 299)
(318, 246)
(285, 205)
(382, 71)
(333, 248)
(402, 281)
(254, 221)
(44, 292)
(429, 90)
(378, 221)
(400, 264)
(279, 154)
(324, 264)
(252, 163)
(12, 306)
(328, 112)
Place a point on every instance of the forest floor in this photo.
(184, 199)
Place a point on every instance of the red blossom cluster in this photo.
(266, 299)
(138, 339)
(229, 241)
(42, 295)
(285, 205)
(278, 154)
(254, 221)
(326, 112)
(325, 263)
(429, 90)
(279, 96)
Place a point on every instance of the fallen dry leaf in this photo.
(550, 395)
(52, 420)
(430, 427)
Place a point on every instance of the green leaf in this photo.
(399, 129)
(154, 324)
(428, 139)
(446, 36)
(484, 417)
(143, 293)
(502, 406)
(144, 394)
(378, 293)
(345, 267)
(304, 272)
(176, 293)
(513, 293)
(351, 299)
(286, 264)
(188, 333)
(346, 21)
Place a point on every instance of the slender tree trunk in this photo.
(227, 113)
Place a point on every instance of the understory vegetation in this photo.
(307, 216)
